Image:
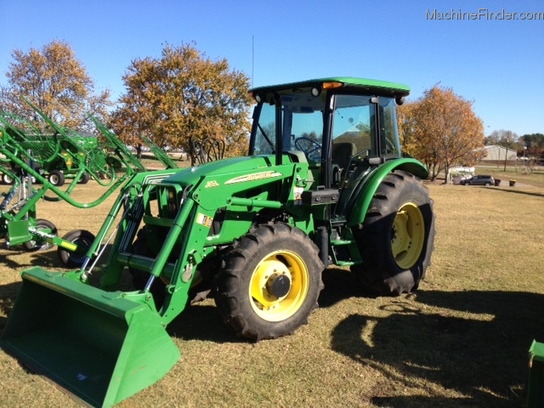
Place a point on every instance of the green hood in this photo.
(223, 168)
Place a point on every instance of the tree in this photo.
(441, 130)
(182, 97)
(57, 83)
(505, 138)
(407, 133)
(534, 144)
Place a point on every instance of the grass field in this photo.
(460, 341)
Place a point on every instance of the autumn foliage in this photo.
(441, 130)
(182, 98)
(57, 83)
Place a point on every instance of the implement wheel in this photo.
(271, 282)
(83, 239)
(56, 177)
(6, 179)
(396, 239)
(38, 242)
(85, 177)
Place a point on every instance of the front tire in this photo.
(396, 239)
(270, 283)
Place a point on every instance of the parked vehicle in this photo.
(481, 180)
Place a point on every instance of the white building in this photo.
(496, 153)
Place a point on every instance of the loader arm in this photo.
(180, 212)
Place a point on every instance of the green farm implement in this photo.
(55, 157)
(160, 154)
(324, 183)
(19, 224)
(26, 153)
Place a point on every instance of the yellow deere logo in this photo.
(212, 183)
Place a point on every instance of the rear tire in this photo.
(270, 283)
(40, 243)
(83, 239)
(396, 239)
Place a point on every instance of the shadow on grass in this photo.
(485, 358)
(524, 192)
(18, 258)
(340, 284)
(423, 402)
(202, 321)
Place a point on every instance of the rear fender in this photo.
(373, 181)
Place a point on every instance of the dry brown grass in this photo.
(461, 341)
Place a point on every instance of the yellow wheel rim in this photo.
(408, 235)
(279, 285)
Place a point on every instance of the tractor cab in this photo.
(343, 126)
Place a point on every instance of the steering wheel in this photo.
(309, 147)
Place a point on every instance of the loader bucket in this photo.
(100, 347)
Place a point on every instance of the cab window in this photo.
(388, 121)
(265, 132)
(353, 123)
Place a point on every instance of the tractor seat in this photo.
(342, 152)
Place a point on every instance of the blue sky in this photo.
(497, 63)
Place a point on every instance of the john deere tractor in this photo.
(324, 183)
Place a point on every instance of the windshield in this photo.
(354, 123)
(301, 121)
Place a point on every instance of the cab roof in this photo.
(357, 84)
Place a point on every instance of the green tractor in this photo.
(325, 183)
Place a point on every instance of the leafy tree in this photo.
(407, 133)
(57, 83)
(183, 97)
(534, 144)
(441, 130)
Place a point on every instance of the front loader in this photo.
(324, 183)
